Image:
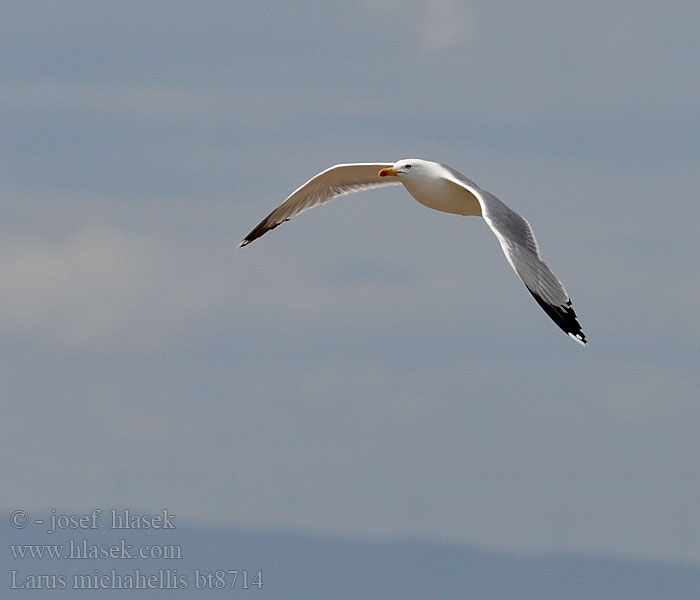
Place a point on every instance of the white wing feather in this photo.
(520, 247)
(337, 180)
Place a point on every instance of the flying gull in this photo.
(442, 188)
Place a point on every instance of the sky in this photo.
(371, 368)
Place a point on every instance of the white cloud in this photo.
(437, 24)
(145, 101)
(98, 288)
(448, 23)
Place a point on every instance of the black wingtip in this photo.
(564, 316)
(263, 227)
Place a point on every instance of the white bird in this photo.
(442, 188)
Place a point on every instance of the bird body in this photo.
(434, 189)
(441, 188)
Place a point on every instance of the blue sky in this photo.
(371, 367)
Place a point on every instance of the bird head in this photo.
(405, 167)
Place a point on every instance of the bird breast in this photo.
(443, 195)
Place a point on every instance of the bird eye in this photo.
(408, 166)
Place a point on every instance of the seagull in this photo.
(442, 188)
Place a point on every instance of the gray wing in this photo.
(335, 181)
(520, 247)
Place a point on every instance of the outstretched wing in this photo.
(334, 181)
(520, 247)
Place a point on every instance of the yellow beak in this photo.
(388, 172)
